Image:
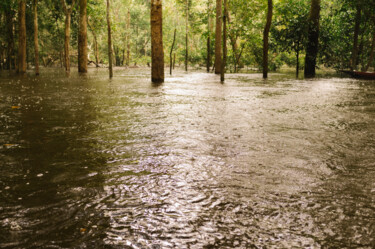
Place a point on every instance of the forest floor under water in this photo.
(89, 162)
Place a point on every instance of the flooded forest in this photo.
(187, 124)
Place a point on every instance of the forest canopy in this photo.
(346, 33)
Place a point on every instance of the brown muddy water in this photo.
(88, 162)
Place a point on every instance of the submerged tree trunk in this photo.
(82, 37)
(312, 39)
(170, 54)
(209, 26)
(109, 41)
(36, 43)
(219, 10)
(157, 53)
(128, 39)
(265, 39)
(68, 12)
(22, 37)
(357, 25)
(186, 36)
(10, 40)
(223, 63)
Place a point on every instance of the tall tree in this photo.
(224, 62)
(171, 52)
(186, 35)
(128, 39)
(36, 42)
(82, 37)
(22, 37)
(357, 25)
(266, 38)
(68, 13)
(219, 11)
(312, 39)
(209, 27)
(110, 60)
(157, 53)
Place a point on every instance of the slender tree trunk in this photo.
(157, 53)
(82, 37)
(174, 60)
(224, 62)
(109, 41)
(170, 54)
(36, 43)
(128, 39)
(209, 35)
(186, 36)
(266, 38)
(10, 39)
(218, 37)
(67, 42)
(22, 37)
(312, 39)
(357, 25)
(371, 59)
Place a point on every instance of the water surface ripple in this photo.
(87, 162)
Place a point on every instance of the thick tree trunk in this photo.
(224, 62)
(266, 38)
(22, 37)
(82, 37)
(157, 53)
(109, 41)
(313, 39)
(170, 54)
(357, 25)
(186, 36)
(36, 43)
(219, 10)
(209, 26)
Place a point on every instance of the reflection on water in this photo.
(87, 162)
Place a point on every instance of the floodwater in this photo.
(88, 162)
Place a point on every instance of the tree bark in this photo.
(312, 39)
(36, 42)
(157, 53)
(266, 38)
(218, 36)
(223, 63)
(357, 25)
(170, 54)
(82, 37)
(22, 37)
(67, 12)
(209, 26)
(109, 41)
(186, 36)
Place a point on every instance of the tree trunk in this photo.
(128, 39)
(357, 25)
(82, 37)
(371, 59)
(67, 42)
(209, 21)
(157, 53)
(170, 54)
(187, 38)
(174, 60)
(266, 38)
(36, 43)
(10, 39)
(297, 66)
(223, 63)
(218, 36)
(312, 39)
(22, 37)
(109, 41)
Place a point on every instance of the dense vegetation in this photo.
(345, 31)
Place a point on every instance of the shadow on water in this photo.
(191, 163)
